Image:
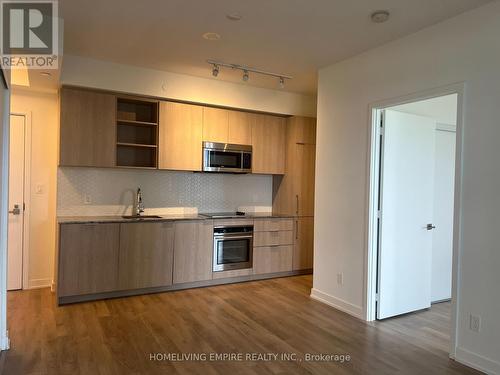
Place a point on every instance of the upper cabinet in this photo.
(226, 126)
(268, 141)
(87, 128)
(101, 129)
(180, 136)
(240, 127)
(215, 124)
(301, 130)
(136, 133)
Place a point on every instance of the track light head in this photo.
(215, 70)
(282, 82)
(245, 76)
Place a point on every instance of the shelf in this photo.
(137, 111)
(136, 123)
(133, 156)
(135, 145)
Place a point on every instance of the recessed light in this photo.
(211, 36)
(233, 16)
(380, 16)
(45, 74)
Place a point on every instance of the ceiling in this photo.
(443, 109)
(294, 37)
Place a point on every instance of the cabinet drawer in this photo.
(272, 225)
(272, 259)
(273, 238)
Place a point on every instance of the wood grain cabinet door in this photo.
(193, 251)
(215, 124)
(272, 259)
(268, 141)
(146, 255)
(88, 259)
(240, 128)
(87, 128)
(303, 166)
(180, 136)
(304, 243)
(301, 130)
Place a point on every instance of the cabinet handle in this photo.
(296, 229)
(297, 203)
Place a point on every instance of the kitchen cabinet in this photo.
(271, 259)
(87, 128)
(304, 243)
(87, 259)
(240, 127)
(293, 193)
(193, 251)
(301, 130)
(180, 136)
(146, 255)
(215, 124)
(226, 126)
(268, 141)
(273, 245)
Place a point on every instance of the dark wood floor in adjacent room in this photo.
(273, 316)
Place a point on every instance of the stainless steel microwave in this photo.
(225, 157)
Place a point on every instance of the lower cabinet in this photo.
(304, 243)
(193, 251)
(88, 259)
(146, 255)
(270, 259)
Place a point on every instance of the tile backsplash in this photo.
(102, 191)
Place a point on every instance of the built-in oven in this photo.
(233, 247)
(225, 157)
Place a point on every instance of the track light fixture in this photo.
(216, 65)
(215, 70)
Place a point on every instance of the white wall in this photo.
(112, 191)
(42, 109)
(442, 240)
(462, 49)
(86, 72)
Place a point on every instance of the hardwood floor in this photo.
(272, 316)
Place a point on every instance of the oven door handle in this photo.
(231, 237)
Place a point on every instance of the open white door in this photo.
(16, 201)
(407, 194)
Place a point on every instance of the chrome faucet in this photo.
(139, 208)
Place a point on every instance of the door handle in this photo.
(16, 210)
(430, 227)
(297, 204)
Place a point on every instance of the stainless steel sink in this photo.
(139, 217)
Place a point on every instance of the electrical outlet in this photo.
(87, 199)
(340, 278)
(474, 323)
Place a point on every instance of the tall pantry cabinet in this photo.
(293, 192)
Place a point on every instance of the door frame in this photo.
(27, 195)
(370, 274)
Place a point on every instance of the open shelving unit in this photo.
(136, 133)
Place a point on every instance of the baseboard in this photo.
(39, 283)
(477, 361)
(337, 303)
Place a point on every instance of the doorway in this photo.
(414, 215)
(17, 223)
